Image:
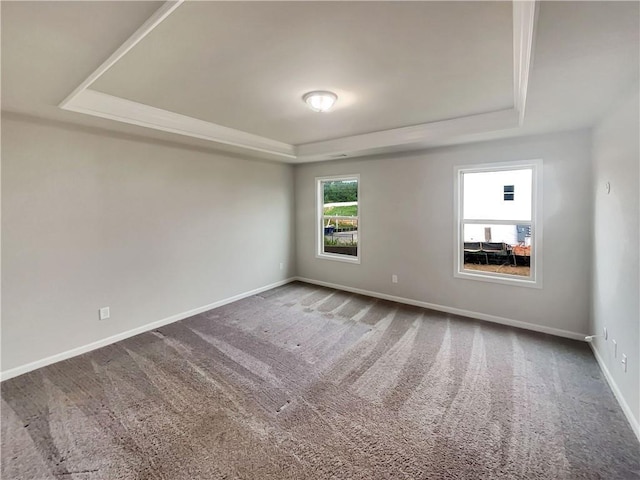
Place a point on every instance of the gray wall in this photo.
(154, 229)
(407, 228)
(91, 219)
(616, 288)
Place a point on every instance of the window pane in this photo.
(340, 236)
(504, 249)
(340, 200)
(340, 191)
(499, 195)
(345, 209)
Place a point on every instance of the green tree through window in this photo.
(340, 191)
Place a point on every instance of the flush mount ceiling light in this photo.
(320, 101)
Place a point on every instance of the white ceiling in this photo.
(50, 47)
(239, 69)
(394, 64)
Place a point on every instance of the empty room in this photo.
(320, 240)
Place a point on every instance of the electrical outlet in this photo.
(624, 363)
(605, 333)
(394, 278)
(104, 313)
(615, 348)
(281, 266)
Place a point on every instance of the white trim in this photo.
(320, 215)
(509, 221)
(535, 280)
(152, 22)
(336, 257)
(455, 311)
(108, 106)
(525, 17)
(635, 424)
(423, 134)
(14, 372)
(86, 101)
(493, 277)
(498, 166)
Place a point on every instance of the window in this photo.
(498, 223)
(338, 218)
(509, 193)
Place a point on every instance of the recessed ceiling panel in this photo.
(246, 65)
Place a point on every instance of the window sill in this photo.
(339, 258)
(497, 278)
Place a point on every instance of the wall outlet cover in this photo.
(104, 313)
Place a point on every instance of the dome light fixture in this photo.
(320, 100)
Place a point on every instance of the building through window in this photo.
(498, 232)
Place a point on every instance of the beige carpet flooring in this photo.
(303, 382)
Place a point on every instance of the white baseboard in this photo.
(635, 425)
(14, 372)
(456, 311)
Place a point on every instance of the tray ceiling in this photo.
(407, 73)
(393, 64)
(586, 60)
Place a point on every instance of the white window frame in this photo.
(320, 220)
(535, 279)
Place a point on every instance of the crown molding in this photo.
(91, 102)
(525, 17)
(152, 22)
(111, 107)
(422, 134)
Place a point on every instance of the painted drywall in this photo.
(92, 219)
(616, 287)
(407, 225)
